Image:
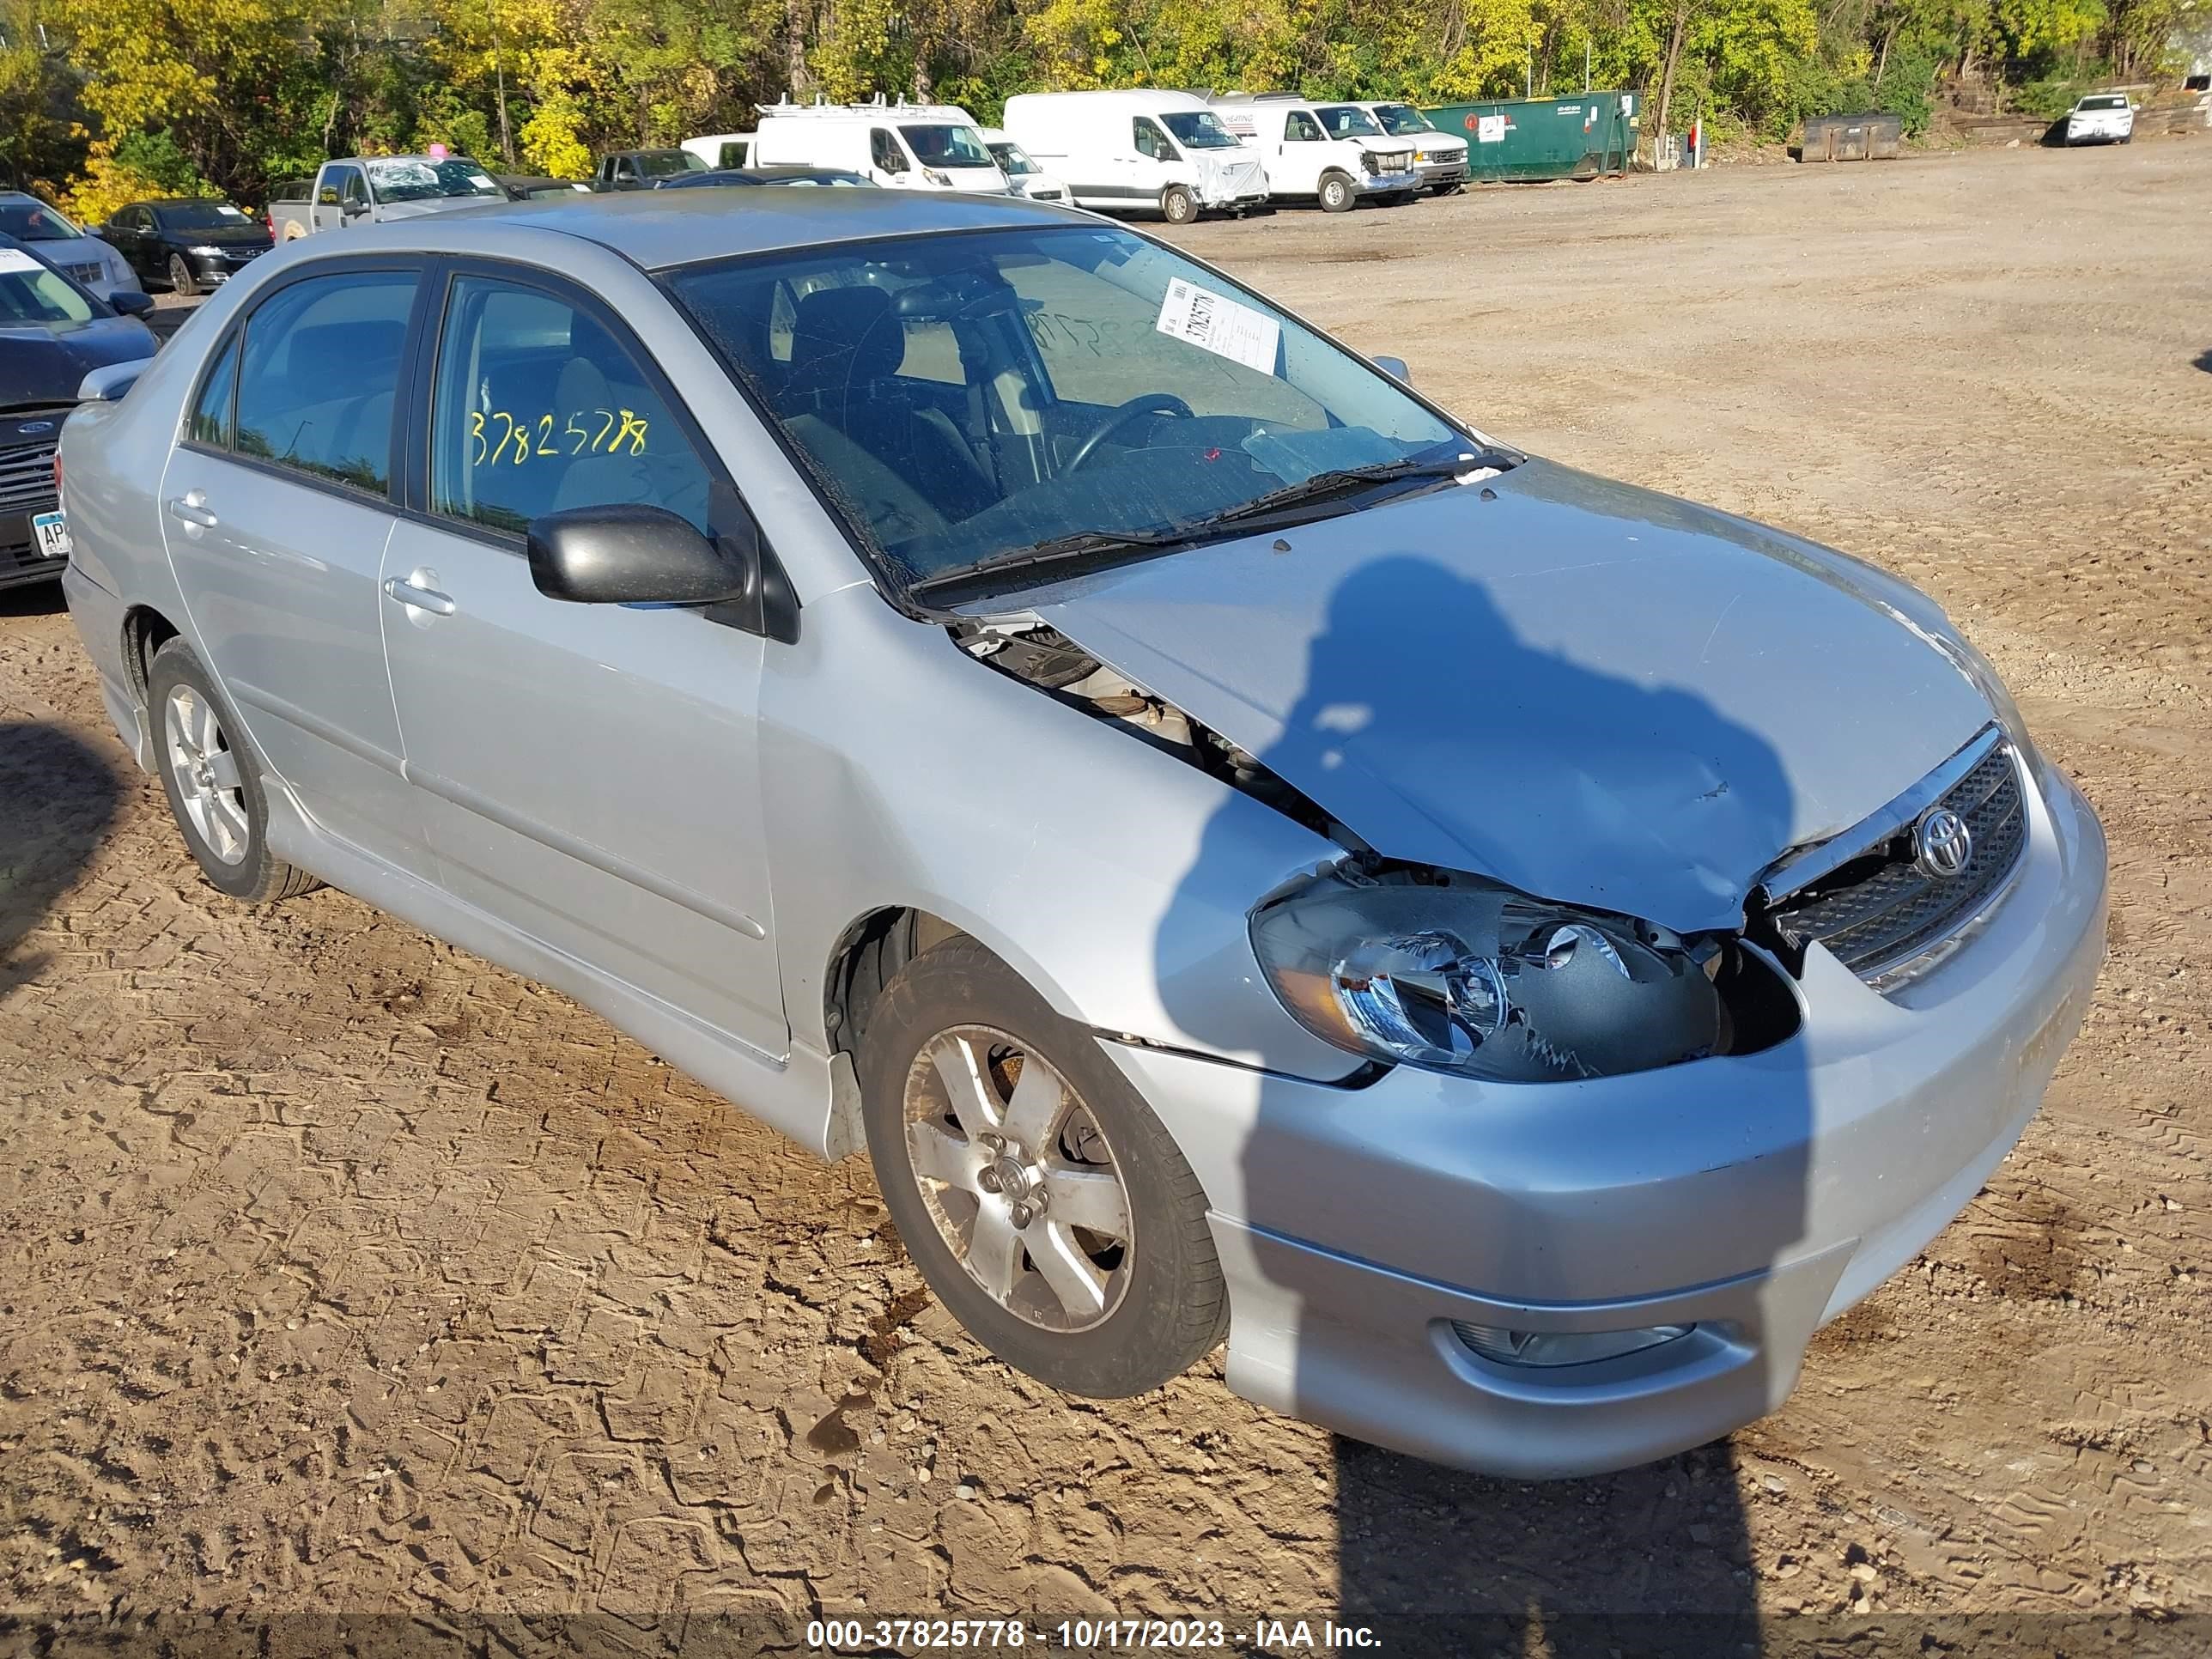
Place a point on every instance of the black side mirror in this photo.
(130, 302)
(630, 554)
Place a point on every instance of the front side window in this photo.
(1150, 140)
(1300, 128)
(1348, 121)
(416, 179)
(1401, 120)
(1013, 160)
(963, 397)
(539, 408)
(1199, 128)
(883, 150)
(31, 293)
(319, 375)
(947, 147)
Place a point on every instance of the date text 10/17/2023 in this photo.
(1088, 1635)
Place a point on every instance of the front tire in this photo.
(212, 782)
(1177, 205)
(182, 278)
(1045, 1204)
(1337, 193)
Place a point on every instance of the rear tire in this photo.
(213, 782)
(1177, 205)
(960, 1053)
(183, 279)
(1338, 194)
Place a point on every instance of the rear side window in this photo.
(319, 373)
(540, 408)
(211, 409)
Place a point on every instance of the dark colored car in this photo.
(190, 245)
(530, 186)
(791, 175)
(643, 169)
(53, 331)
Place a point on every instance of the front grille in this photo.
(1879, 912)
(85, 274)
(26, 479)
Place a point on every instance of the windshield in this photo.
(201, 215)
(1013, 160)
(33, 221)
(963, 396)
(1348, 121)
(2104, 103)
(1199, 128)
(413, 178)
(30, 293)
(947, 147)
(1399, 120)
(667, 163)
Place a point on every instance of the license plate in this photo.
(52, 530)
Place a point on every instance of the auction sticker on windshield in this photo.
(16, 259)
(1215, 323)
(52, 530)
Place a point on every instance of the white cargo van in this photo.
(1439, 157)
(722, 150)
(1337, 158)
(1023, 176)
(904, 146)
(1165, 152)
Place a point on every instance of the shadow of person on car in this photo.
(57, 796)
(1441, 1198)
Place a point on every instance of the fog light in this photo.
(1561, 1347)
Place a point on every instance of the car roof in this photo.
(664, 227)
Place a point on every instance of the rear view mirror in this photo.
(1394, 368)
(631, 553)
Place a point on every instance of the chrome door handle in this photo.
(417, 598)
(184, 509)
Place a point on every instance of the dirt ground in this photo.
(341, 1272)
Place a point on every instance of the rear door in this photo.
(275, 511)
(588, 774)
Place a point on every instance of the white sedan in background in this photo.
(2102, 117)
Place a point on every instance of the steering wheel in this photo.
(1146, 403)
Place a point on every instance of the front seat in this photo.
(846, 348)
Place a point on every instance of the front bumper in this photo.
(21, 561)
(1435, 174)
(1751, 1197)
(1382, 184)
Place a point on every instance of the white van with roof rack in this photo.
(1315, 150)
(903, 146)
(1138, 149)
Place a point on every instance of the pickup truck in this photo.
(644, 169)
(366, 190)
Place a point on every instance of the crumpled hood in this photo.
(1596, 694)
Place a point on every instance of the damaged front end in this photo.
(1449, 971)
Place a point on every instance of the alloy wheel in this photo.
(204, 769)
(1018, 1177)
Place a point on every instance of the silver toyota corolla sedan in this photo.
(1245, 854)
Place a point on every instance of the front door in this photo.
(275, 510)
(588, 773)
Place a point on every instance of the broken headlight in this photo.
(1459, 975)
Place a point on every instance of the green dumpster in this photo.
(1575, 136)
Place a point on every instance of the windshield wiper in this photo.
(1102, 547)
(1350, 480)
(1083, 547)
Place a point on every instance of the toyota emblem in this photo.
(1942, 842)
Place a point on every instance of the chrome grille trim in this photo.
(1892, 923)
(26, 478)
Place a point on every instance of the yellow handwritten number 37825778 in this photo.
(496, 435)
